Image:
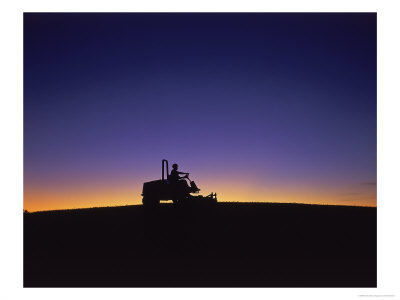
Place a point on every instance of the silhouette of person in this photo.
(174, 176)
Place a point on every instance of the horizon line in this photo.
(170, 203)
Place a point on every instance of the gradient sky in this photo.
(257, 107)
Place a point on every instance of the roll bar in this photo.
(166, 163)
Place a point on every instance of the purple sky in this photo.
(279, 100)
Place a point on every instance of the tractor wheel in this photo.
(150, 202)
(145, 201)
(179, 201)
(183, 201)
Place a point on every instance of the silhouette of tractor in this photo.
(179, 192)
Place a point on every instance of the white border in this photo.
(11, 145)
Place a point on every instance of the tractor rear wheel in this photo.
(150, 202)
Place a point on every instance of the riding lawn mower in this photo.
(179, 192)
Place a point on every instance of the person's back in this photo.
(174, 176)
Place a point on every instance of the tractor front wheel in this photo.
(179, 201)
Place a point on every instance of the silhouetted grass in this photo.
(230, 244)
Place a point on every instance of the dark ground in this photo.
(230, 245)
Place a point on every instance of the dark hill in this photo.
(230, 245)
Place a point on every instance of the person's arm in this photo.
(183, 177)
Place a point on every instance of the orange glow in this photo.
(95, 195)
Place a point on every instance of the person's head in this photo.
(175, 166)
